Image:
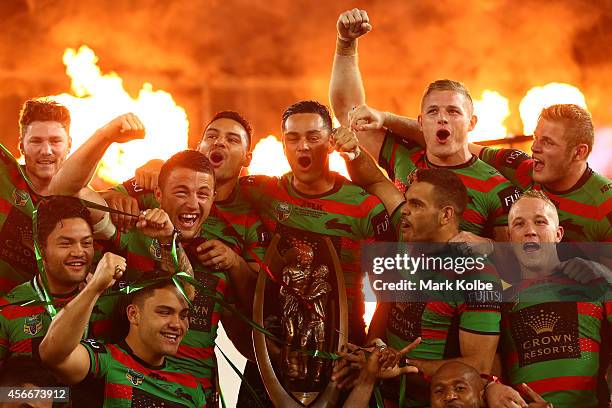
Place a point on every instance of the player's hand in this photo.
(475, 245)
(503, 396)
(346, 142)
(537, 400)
(155, 223)
(123, 128)
(110, 268)
(353, 24)
(147, 175)
(215, 254)
(584, 270)
(390, 359)
(346, 370)
(125, 203)
(364, 117)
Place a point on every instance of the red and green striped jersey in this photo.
(439, 323)
(22, 328)
(232, 221)
(17, 202)
(585, 210)
(347, 214)
(197, 348)
(555, 347)
(490, 194)
(131, 382)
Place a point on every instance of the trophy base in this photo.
(306, 398)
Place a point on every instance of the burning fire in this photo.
(269, 159)
(492, 109)
(98, 98)
(540, 97)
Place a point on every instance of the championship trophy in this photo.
(303, 303)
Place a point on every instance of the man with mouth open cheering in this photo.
(447, 115)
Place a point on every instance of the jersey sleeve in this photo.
(255, 240)
(480, 311)
(99, 358)
(146, 198)
(396, 157)
(513, 164)
(378, 225)
(499, 201)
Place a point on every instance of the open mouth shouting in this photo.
(187, 221)
(442, 135)
(530, 247)
(304, 162)
(538, 165)
(216, 157)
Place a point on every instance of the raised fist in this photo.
(123, 128)
(346, 142)
(353, 24)
(110, 268)
(155, 223)
(363, 117)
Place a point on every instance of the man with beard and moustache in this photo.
(556, 344)
(67, 247)
(310, 203)
(44, 141)
(185, 192)
(233, 231)
(136, 371)
(430, 211)
(447, 115)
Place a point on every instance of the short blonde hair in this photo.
(540, 195)
(576, 121)
(448, 85)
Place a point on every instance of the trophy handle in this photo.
(279, 396)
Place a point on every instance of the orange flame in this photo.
(540, 97)
(98, 98)
(492, 109)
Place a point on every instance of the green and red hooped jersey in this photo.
(439, 323)
(490, 194)
(22, 328)
(585, 210)
(130, 382)
(347, 214)
(17, 203)
(197, 348)
(232, 221)
(559, 349)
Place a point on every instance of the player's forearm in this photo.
(346, 86)
(363, 170)
(378, 324)
(361, 393)
(66, 330)
(406, 127)
(76, 172)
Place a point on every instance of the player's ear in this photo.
(158, 193)
(473, 121)
(581, 152)
(132, 313)
(247, 159)
(446, 215)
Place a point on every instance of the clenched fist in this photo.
(110, 268)
(155, 223)
(353, 24)
(123, 128)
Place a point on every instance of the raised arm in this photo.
(61, 350)
(79, 168)
(365, 172)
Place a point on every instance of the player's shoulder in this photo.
(257, 180)
(350, 193)
(19, 292)
(599, 186)
(482, 171)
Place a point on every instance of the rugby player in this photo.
(44, 141)
(447, 115)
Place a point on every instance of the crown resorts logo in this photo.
(542, 322)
